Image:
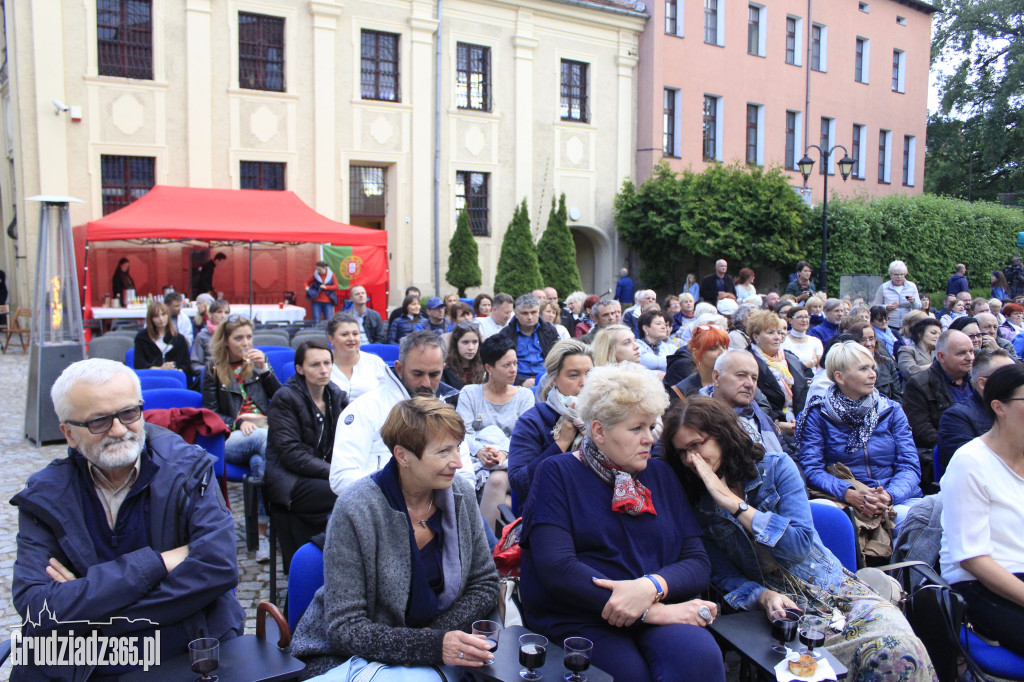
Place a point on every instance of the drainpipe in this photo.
(437, 155)
(807, 88)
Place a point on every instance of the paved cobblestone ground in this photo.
(21, 458)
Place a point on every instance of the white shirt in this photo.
(981, 512)
(805, 351)
(358, 448)
(184, 325)
(368, 373)
(488, 327)
(363, 338)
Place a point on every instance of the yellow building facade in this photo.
(335, 101)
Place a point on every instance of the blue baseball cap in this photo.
(434, 302)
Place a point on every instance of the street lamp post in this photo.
(806, 165)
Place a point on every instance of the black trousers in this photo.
(312, 502)
(993, 616)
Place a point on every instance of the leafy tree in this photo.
(463, 258)
(745, 215)
(980, 45)
(518, 270)
(556, 252)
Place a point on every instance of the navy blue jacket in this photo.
(824, 331)
(530, 445)
(624, 291)
(184, 507)
(403, 326)
(960, 424)
(890, 459)
(956, 284)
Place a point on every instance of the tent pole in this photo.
(250, 279)
(437, 152)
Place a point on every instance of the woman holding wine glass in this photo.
(764, 550)
(407, 567)
(611, 550)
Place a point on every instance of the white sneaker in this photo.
(263, 552)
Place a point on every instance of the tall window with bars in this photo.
(671, 17)
(791, 149)
(124, 37)
(260, 52)
(471, 194)
(267, 175)
(710, 132)
(367, 191)
(711, 22)
(752, 111)
(125, 179)
(668, 123)
(473, 77)
(574, 105)
(790, 40)
(379, 69)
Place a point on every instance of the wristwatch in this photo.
(742, 508)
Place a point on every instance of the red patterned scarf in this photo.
(629, 496)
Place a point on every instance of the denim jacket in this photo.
(782, 525)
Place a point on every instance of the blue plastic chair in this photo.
(836, 531)
(305, 577)
(175, 375)
(282, 359)
(151, 382)
(129, 357)
(937, 466)
(993, 659)
(385, 351)
(166, 398)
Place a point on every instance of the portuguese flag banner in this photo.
(364, 265)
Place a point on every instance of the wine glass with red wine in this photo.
(784, 626)
(812, 634)
(488, 631)
(533, 651)
(204, 655)
(577, 658)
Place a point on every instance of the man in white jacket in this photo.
(358, 448)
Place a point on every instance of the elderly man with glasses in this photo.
(129, 531)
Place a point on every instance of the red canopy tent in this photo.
(221, 216)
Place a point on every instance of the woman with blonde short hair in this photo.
(780, 375)
(611, 547)
(615, 343)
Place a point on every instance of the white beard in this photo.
(116, 453)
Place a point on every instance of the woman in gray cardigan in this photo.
(407, 568)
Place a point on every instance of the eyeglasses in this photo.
(472, 326)
(692, 447)
(128, 415)
(800, 317)
(972, 337)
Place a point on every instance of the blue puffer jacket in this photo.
(782, 527)
(890, 459)
(403, 326)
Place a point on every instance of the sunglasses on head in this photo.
(128, 415)
(472, 326)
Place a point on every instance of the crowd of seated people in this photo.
(615, 488)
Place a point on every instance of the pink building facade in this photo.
(739, 81)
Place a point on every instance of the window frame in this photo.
(797, 36)
(372, 91)
(261, 168)
(755, 29)
(674, 18)
(126, 189)
(909, 159)
(859, 171)
(790, 146)
(899, 71)
(474, 212)
(714, 22)
(822, 48)
(124, 48)
(754, 148)
(862, 61)
(580, 70)
(468, 73)
(884, 156)
(671, 142)
(715, 128)
(358, 199)
(827, 140)
(259, 57)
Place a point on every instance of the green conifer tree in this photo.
(518, 271)
(463, 258)
(556, 252)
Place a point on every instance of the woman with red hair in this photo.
(706, 344)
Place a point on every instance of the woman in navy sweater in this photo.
(611, 548)
(533, 439)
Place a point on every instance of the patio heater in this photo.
(56, 317)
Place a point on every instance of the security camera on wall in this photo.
(59, 107)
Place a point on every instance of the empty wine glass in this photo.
(488, 631)
(204, 655)
(577, 658)
(532, 655)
